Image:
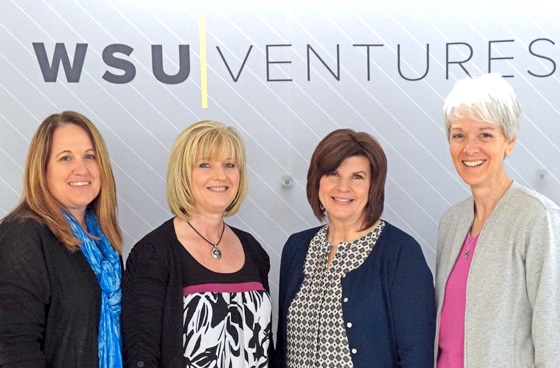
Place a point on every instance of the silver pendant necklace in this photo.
(473, 240)
(216, 253)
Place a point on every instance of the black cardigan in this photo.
(152, 315)
(50, 300)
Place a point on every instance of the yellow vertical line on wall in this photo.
(203, 74)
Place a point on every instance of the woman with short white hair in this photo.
(498, 259)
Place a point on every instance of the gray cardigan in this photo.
(512, 316)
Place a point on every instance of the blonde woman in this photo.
(195, 290)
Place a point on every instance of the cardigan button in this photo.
(345, 300)
(140, 364)
(354, 351)
(349, 325)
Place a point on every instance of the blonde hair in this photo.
(37, 202)
(208, 139)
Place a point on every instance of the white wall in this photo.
(281, 109)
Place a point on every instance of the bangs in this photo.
(480, 112)
(217, 147)
(465, 111)
(333, 159)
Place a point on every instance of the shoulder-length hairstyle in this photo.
(327, 157)
(37, 201)
(487, 98)
(209, 140)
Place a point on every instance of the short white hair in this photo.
(488, 98)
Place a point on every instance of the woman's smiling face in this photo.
(345, 192)
(478, 150)
(73, 174)
(215, 183)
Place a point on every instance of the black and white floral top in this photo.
(316, 331)
(226, 316)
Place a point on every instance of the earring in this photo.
(321, 207)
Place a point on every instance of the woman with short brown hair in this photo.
(356, 292)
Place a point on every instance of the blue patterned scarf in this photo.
(105, 263)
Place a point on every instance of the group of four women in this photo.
(355, 292)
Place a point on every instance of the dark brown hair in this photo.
(329, 154)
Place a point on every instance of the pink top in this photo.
(452, 320)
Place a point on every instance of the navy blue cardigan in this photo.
(390, 302)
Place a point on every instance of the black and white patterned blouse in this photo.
(226, 317)
(316, 333)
